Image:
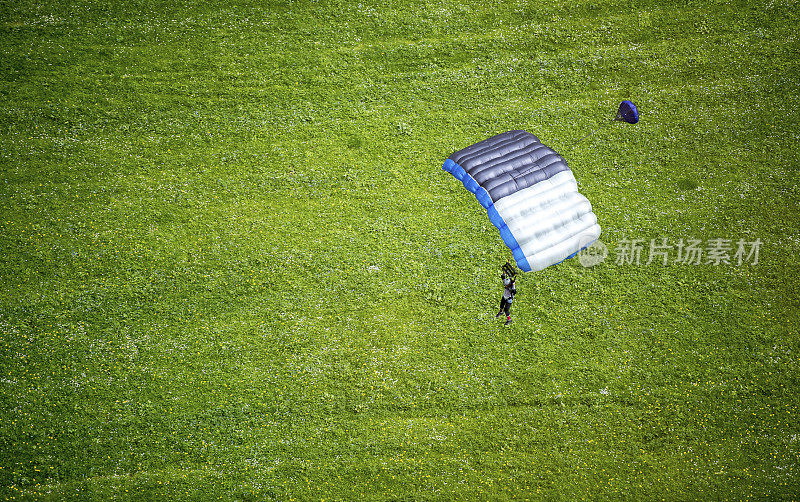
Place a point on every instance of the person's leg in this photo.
(503, 306)
(508, 312)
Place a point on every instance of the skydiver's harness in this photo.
(509, 288)
(509, 270)
(509, 291)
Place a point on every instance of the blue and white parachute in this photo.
(530, 195)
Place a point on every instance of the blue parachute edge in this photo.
(483, 197)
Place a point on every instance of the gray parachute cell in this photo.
(530, 195)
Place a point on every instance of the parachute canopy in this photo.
(627, 112)
(530, 195)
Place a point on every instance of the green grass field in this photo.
(232, 268)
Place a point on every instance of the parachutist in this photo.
(509, 290)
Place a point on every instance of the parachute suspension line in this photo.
(591, 133)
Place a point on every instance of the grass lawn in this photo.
(232, 268)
